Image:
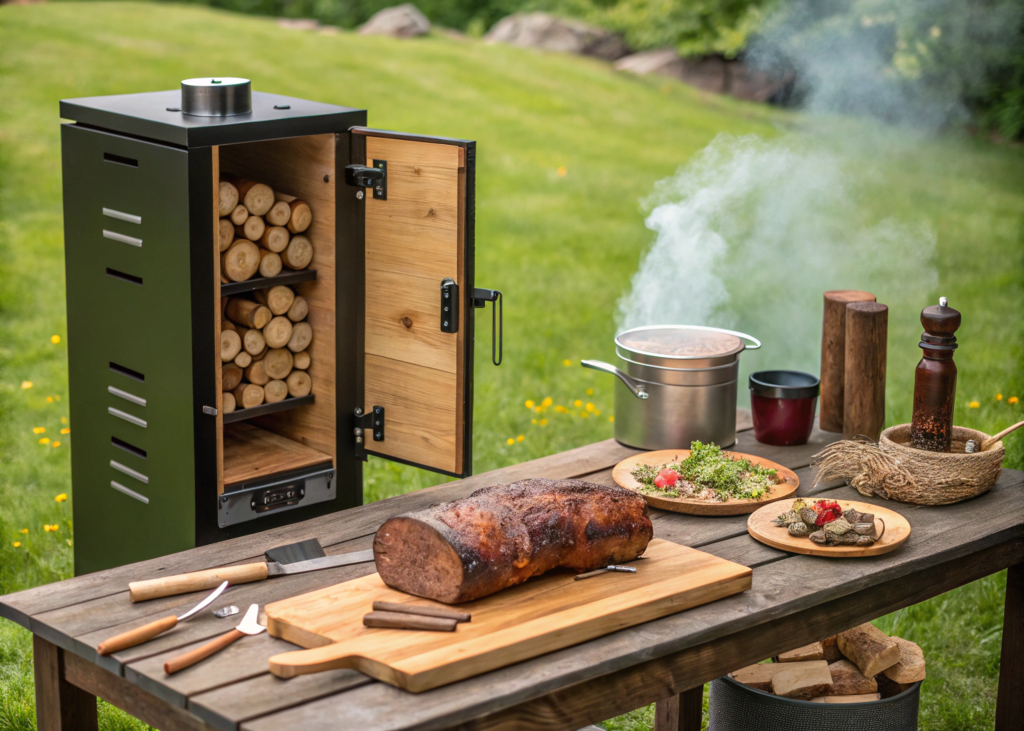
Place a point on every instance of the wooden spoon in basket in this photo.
(991, 441)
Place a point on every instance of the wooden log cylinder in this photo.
(228, 402)
(867, 327)
(833, 355)
(256, 373)
(243, 359)
(240, 261)
(301, 360)
(248, 395)
(253, 341)
(299, 309)
(239, 215)
(301, 337)
(277, 363)
(248, 313)
(252, 229)
(270, 263)
(279, 299)
(228, 198)
(275, 238)
(279, 214)
(230, 345)
(298, 253)
(299, 384)
(230, 377)
(225, 234)
(275, 391)
(278, 332)
(256, 197)
(301, 216)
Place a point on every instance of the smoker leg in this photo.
(60, 706)
(680, 712)
(1010, 701)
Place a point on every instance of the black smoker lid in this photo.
(784, 384)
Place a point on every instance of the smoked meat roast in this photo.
(500, 536)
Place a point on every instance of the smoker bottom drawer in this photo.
(276, 495)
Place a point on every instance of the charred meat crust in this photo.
(501, 536)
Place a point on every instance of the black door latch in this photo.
(480, 299)
(376, 177)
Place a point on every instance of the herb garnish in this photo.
(707, 474)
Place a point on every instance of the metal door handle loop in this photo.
(480, 299)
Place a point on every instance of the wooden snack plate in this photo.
(622, 474)
(893, 527)
(544, 614)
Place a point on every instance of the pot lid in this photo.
(683, 342)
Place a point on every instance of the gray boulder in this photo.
(662, 61)
(551, 33)
(401, 21)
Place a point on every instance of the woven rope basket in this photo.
(894, 470)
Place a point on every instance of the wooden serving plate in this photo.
(893, 527)
(622, 474)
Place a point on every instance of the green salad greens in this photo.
(706, 474)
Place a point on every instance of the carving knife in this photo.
(199, 580)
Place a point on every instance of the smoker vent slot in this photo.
(251, 285)
(127, 417)
(129, 492)
(130, 240)
(263, 409)
(130, 472)
(127, 372)
(111, 157)
(129, 448)
(126, 396)
(122, 216)
(131, 278)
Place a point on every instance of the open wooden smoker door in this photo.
(417, 370)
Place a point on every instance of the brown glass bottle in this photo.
(935, 380)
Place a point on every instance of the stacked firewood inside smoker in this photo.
(260, 231)
(263, 347)
(856, 666)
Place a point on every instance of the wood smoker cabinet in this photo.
(157, 466)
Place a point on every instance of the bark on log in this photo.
(257, 197)
(301, 360)
(248, 395)
(869, 649)
(910, 668)
(228, 198)
(299, 383)
(279, 299)
(830, 645)
(847, 679)
(252, 229)
(230, 377)
(278, 332)
(301, 216)
(225, 234)
(240, 261)
(275, 391)
(299, 309)
(277, 363)
(813, 651)
(256, 373)
(279, 214)
(298, 253)
(230, 344)
(243, 359)
(275, 238)
(239, 215)
(270, 263)
(833, 355)
(867, 328)
(227, 402)
(248, 313)
(301, 337)
(226, 324)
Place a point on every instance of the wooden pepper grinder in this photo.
(935, 380)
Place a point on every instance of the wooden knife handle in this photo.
(136, 636)
(201, 653)
(141, 591)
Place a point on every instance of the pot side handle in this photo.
(599, 365)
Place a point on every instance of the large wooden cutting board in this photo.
(544, 614)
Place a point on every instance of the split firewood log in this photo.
(257, 197)
(225, 234)
(230, 377)
(910, 668)
(278, 332)
(298, 253)
(847, 679)
(301, 360)
(240, 261)
(279, 214)
(248, 395)
(252, 229)
(275, 238)
(813, 651)
(239, 215)
(802, 679)
(301, 216)
(227, 402)
(830, 646)
(243, 359)
(299, 384)
(248, 313)
(757, 676)
(279, 299)
(299, 309)
(302, 336)
(228, 198)
(256, 373)
(270, 263)
(865, 698)
(230, 344)
(226, 324)
(277, 363)
(869, 649)
(275, 391)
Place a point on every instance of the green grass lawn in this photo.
(567, 150)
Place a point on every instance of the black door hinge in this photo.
(370, 422)
(480, 299)
(376, 177)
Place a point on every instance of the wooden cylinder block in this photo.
(226, 324)
(257, 197)
(275, 391)
(239, 215)
(230, 377)
(256, 373)
(867, 328)
(278, 363)
(301, 360)
(302, 336)
(240, 261)
(298, 253)
(230, 344)
(243, 359)
(299, 384)
(270, 263)
(279, 214)
(248, 395)
(252, 229)
(227, 402)
(228, 198)
(301, 216)
(299, 309)
(278, 332)
(279, 299)
(225, 234)
(275, 238)
(248, 313)
(253, 341)
(833, 355)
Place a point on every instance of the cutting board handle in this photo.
(316, 660)
(141, 591)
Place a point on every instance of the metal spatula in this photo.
(248, 626)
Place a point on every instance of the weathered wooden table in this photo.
(668, 660)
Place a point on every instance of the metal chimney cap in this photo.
(216, 96)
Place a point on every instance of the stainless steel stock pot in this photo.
(677, 384)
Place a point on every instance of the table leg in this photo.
(680, 712)
(1010, 701)
(60, 706)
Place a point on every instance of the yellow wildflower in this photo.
(55, 444)
(510, 441)
(44, 440)
(590, 392)
(561, 409)
(577, 403)
(546, 402)
(538, 409)
(16, 544)
(999, 397)
(520, 438)
(974, 404)
(39, 430)
(562, 171)
(63, 420)
(26, 384)
(62, 497)
(565, 362)
(543, 422)
(529, 403)
(51, 528)
(24, 531)
(55, 339)
(65, 430)
(590, 406)
(611, 419)
(49, 399)
(1012, 400)
(533, 421)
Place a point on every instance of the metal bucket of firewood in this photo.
(737, 707)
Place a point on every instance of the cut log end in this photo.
(228, 198)
(225, 234)
(279, 214)
(252, 229)
(270, 263)
(299, 309)
(301, 337)
(230, 345)
(257, 373)
(248, 395)
(301, 216)
(279, 299)
(248, 313)
(239, 215)
(227, 402)
(230, 377)
(301, 361)
(240, 261)
(277, 363)
(298, 254)
(275, 391)
(869, 649)
(278, 332)
(275, 238)
(299, 384)
(257, 197)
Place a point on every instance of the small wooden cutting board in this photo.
(893, 529)
(545, 614)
